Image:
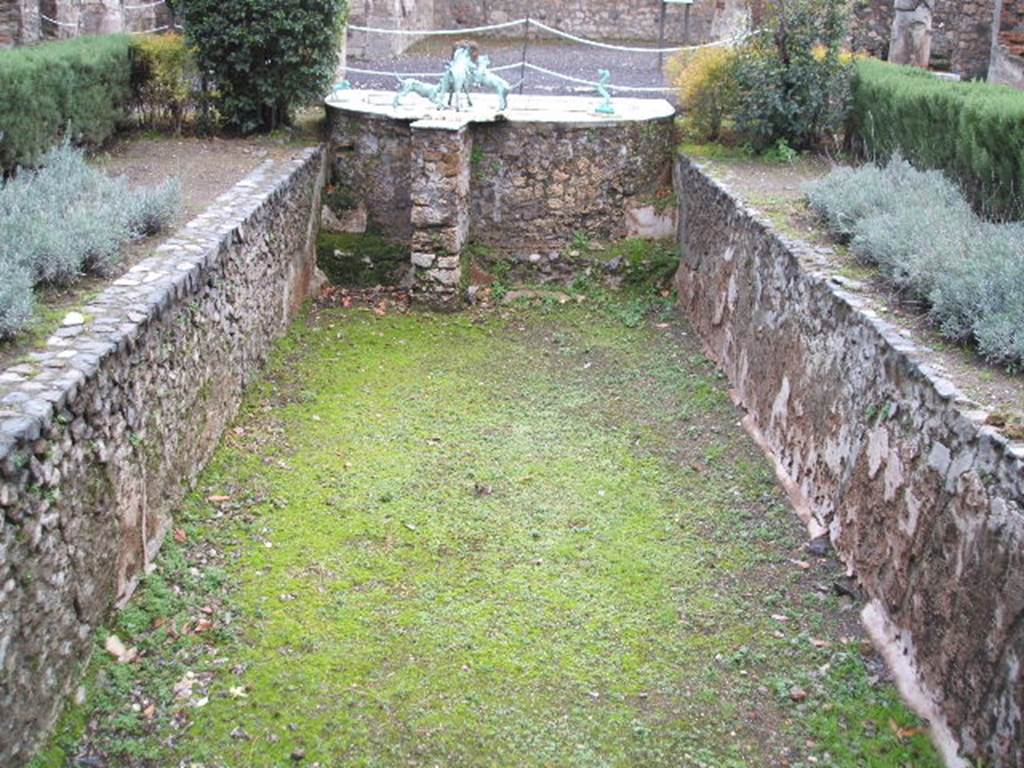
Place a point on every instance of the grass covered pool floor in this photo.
(535, 536)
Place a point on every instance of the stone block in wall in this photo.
(103, 431)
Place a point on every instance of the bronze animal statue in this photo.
(409, 85)
(458, 76)
(486, 78)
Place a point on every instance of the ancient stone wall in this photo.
(921, 500)
(19, 22)
(532, 186)
(387, 14)
(370, 158)
(23, 22)
(103, 432)
(602, 19)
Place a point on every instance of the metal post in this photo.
(661, 36)
(522, 66)
(686, 24)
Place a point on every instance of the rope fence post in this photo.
(661, 36)
(526, 45)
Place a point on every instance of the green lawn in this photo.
(528, 537)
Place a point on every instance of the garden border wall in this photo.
(922, 501)
(103, 432)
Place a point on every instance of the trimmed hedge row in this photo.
(77, 88)
(972, 131)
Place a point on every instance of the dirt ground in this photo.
(206, 167)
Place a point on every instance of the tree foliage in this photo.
(792, 78)
(265, 57)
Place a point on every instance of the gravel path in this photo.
(575, 60)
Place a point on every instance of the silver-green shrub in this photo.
(16, 300)
(66, 219)
(918, 229)
(153, 209)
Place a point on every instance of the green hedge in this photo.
(972, 131)
(80, 87)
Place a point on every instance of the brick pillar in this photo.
(439, 188)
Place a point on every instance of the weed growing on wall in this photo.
(65, 220)
(919, 230)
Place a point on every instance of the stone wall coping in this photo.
(913, 356)
(572, 111)
(32, 391)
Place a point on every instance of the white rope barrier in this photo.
(143, 6)
(606, 46)
(58, 23)
(592, 84)
(438, 32)
(152, 31)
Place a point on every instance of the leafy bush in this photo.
(706, 79)
(76, 88)
(972, 131)
(793, 78)
(919, 230)
(67, 219)
(266, 57)
(163, 79)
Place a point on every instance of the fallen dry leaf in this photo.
(905, 733)
(218, 499)
(180, 536)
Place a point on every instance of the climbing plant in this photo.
(264, 57)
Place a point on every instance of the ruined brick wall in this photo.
(1007, 66)
(103, 431)
(922, 500)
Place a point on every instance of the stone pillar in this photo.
(439, 189)
(912, 33)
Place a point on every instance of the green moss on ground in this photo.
(536, 537)
(359, 260)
